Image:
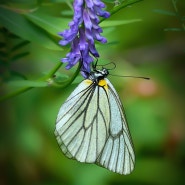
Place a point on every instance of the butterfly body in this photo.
(91, 126)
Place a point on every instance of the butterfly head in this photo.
(98, 74)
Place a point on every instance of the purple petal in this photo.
(87, 21)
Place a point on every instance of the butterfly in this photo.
(91, 126)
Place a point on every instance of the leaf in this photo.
(2, 44)
(27, 83)
(165, 12)
(20, 45)
(67, 12)
(60, 78)
(20, 26)
(20, 55)
(17, 74)
(3, 54)
(173, 29)
(183, 18)
(113, 23)
(115, 2)
(23, 4)
(52, 25)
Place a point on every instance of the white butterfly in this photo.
(91, 126)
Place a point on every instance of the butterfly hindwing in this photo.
(118, 154)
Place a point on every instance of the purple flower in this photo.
(83, 32)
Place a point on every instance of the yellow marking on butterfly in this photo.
(88, 81)
(103, 83)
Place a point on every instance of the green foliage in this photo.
(176, 13)
(114, 23)
(11, 50)
(31, 22)
(27, 83)
(30, 62)
(20, 26)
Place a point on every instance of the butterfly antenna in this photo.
(94, 65)
(142, 77)
(103, 65)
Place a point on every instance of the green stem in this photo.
(121, 6)
(69, 4)
(73, 77)
(53, 71)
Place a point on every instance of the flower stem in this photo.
(53, 71)
(73, 77)
(119, 7)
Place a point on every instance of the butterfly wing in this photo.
(83, 122)
(92, 128)
(117, 154)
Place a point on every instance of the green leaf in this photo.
(3, 54)
(20, 55)
(52, 25)
(116, 2)
(61, 1)
(27, 83)
(2, 44)
(183, 18)
(19, 75)
(67, 12)
(173, 29)
(13, 36)
(60, 78)
(20, 45)
(165, 12)
(20, 26)
(113, 23)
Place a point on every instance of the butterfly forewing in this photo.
(82, 127)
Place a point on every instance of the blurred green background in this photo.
(155, 109)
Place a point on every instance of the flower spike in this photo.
(84, 30)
